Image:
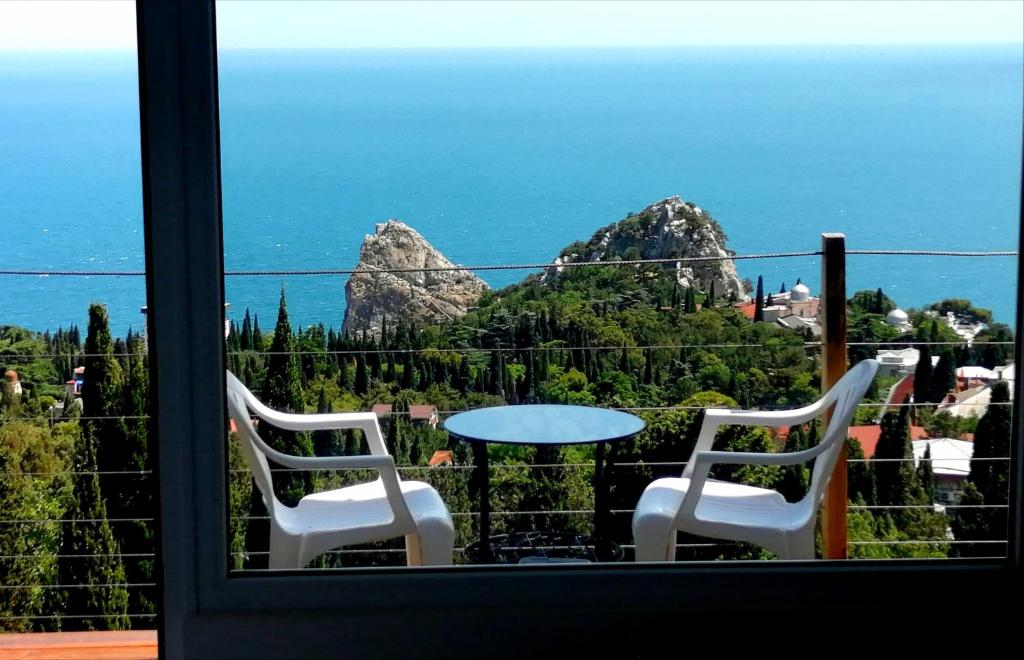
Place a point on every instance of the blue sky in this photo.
(89, 24)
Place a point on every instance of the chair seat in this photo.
(363, 506)
(721, 502)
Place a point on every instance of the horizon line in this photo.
(852, 44)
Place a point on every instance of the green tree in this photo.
(759, 301)
(89, 554)
(282, 390)
(895, 479)
(987, 483)
(34, 494)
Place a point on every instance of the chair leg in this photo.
(434, 545)
(654, 542)
(285, 551)
(798, 546)
(413, 550)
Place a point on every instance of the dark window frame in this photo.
(462, 612)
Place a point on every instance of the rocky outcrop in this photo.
(418, 294)
(666, 229)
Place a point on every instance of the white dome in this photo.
(897, 317)
(799, 292)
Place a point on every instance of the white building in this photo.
(894, 362)
(898, 319)
(951, 463)
(965, 329)
(11, 376)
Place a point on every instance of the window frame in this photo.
(442, 612)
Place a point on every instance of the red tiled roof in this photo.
(422, 412)
(441, 457)
(381, 409)
(868, 435)
(748, 309)
(903, 389)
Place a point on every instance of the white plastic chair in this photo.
(382, 509)
(724, 510)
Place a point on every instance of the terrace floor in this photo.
(105, 645)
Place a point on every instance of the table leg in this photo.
(484, 483)
(600, 492)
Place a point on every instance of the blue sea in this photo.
(506, 156)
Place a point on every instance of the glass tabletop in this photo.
(543, 425)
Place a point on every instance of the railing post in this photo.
(833, 365)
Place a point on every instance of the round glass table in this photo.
(540, 425)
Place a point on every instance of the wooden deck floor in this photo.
(113, 645)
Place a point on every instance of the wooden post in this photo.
(833, 365)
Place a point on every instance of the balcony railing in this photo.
(840, 535)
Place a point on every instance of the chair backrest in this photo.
(842, 399)
(240, 399)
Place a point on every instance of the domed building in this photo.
(898, 319)
(801, 303)
(11, 376)
(795, 309)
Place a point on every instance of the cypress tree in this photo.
(794, 479)
(282, 391)
(362, 382)
(879, 305)
(759, 301)
(344, 377)
(861, 479)
(770, 301)
(709, 301)
(132, 495)
(943, 377)
(895, 476)
(89, 554)
(992, 441)
(925, 474)
(322, 440)
(257, 336)
(691, 301)
(390, 374)
(923, 376)
(782, 289)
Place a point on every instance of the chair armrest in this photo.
(383, 463)
(317, 421)
(716, 417)
(701, 462)
(365, 421)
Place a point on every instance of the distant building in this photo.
(11, 376)
(895, 362)
(424, 414)
(74, 386)
(441, 457)
(868, 435)
(381, 409)
(898, 319)
(951, 464)
(964, 328)
(972, 402)
(795, 309)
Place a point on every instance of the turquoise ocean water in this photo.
(505, 156)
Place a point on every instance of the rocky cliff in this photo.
(420, 294)
(666, 229)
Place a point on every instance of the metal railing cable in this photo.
(557, 264)
(522, 349)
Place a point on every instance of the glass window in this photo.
(432, 209)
